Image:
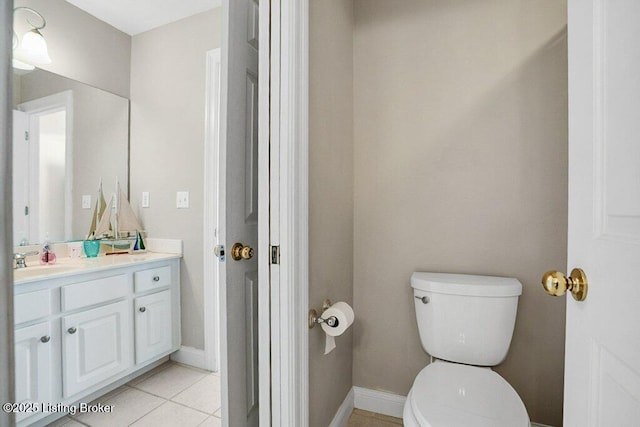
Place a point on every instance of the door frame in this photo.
(289, 223)
(213, 205)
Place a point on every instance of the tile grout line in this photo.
(167, 365)
(142, 416)
(197, 410)
(174, 395)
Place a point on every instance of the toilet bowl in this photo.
(466, 322)
(455, 395)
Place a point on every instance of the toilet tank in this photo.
(464, 318)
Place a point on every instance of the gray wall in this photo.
(81, 47)
(330, 197)
(460, 166)
(167, 144)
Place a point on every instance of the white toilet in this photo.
(466, 322)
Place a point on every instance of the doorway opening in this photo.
(43, 167)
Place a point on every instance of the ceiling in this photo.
(137, 16)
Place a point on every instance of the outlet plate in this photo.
(145, 199)
(86, 201)
(182, 199)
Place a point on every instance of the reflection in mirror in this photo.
(67, 137)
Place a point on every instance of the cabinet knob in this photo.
(156, 278)
(142, 309)
(72, 330)
(45, 338)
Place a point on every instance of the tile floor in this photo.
(170, 395)
(360, 418)
(174, 395)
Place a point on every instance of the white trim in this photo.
(190, 356)
(211, 201)
(274, 207)
(344, 411)
(264, 288)
(222, 215)
(290, 305)
(380, 402)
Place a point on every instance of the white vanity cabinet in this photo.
(152, 312)
(153, 325)
(96, 345)
(33, 361)
(80, 332)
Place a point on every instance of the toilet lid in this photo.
(454, 395)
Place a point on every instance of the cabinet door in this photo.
(96, 345)
(33, 351)
(153, 325)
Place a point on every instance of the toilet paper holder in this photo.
(314, 319)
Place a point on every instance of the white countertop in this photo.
(65, 266)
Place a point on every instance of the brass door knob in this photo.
(240, 251)
(557, 284)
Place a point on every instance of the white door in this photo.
(239, 137)
(602, 368)
(33, 350)
(96, 344)
(153, 325)
(20, 177)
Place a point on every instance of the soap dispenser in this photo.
(47, 256)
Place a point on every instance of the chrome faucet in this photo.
(20, 258)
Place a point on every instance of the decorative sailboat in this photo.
(97, 213)
(118, 227)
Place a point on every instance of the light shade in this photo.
(22, 65)
(33, 49)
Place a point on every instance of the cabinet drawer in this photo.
(152, 278)
(92, 292)
(31, 306)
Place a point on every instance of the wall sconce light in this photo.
(33, 48)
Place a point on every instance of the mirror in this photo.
(67, 137)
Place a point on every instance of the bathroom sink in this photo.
(34, 271)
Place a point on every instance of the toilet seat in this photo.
(446, 394)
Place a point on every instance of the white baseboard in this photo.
(344, 411)
(190, 356)
(380, 402)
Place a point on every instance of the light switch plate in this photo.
(182, 199)
(145, 199)
(86, 201)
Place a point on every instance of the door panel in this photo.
(602, 361)
(239, 135)
(251, 302)
(251, 151)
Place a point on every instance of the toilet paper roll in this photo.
(344, 315)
